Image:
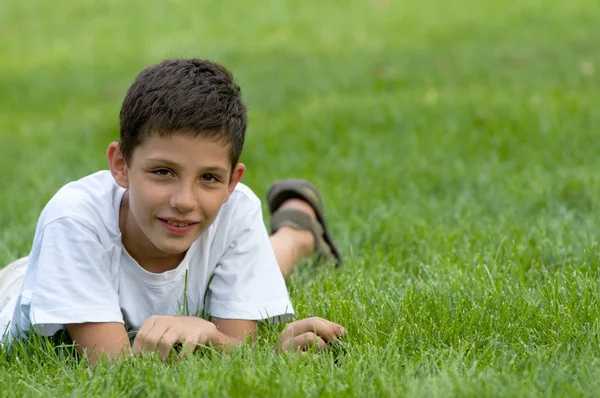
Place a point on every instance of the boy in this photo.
(169, 234)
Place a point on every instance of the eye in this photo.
(162, 172)
(209, 178)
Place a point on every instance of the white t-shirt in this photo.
(79, 271)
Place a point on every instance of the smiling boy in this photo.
(169, 227)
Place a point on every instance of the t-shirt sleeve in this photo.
(247, 282)
(69, 279)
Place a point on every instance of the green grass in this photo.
(456, 145)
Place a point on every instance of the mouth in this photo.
(178, 227)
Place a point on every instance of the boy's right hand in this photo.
(302, 334)
(162, 333)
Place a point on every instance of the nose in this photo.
(184, 198)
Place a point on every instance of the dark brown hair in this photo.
(195, 97)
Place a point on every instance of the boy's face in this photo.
(176, 187)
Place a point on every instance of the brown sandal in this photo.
(283, 190)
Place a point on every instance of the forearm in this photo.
(97, 339)
(160, 333)
(232, 333)
(226, 343)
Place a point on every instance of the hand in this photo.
(302, 334)
(162, 333)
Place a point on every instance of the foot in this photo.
(297, 205)
(300, 205)
(305, 238)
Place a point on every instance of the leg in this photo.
(299, 226)
(291, 245)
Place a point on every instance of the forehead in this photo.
(182, 148)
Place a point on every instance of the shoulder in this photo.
(242, 195)
(241, 211)
(242, 203)
(92, 201)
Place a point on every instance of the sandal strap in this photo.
(297, 219)
(282, 190)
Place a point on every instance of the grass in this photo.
(456, 146)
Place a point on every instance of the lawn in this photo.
(455, 143)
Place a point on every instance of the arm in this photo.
(233, 332)
(247, 282)
(97, 338)
(299, 335)
(161, 333)
(69, 286)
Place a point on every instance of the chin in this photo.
(174, 249)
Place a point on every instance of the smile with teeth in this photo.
(178, 224)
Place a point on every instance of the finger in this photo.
(151, 340)
(305, 341)
(189, 346)
(167, 342)
(327, 330)
(141, 336)
(322, 327)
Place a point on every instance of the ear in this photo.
(236, 176)
(117, 165)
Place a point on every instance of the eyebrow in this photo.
(170, 163)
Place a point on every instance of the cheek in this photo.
(145, 201)
(213, 205)
(136, 208)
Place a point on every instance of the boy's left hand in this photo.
(162, 333)
(302, 334)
